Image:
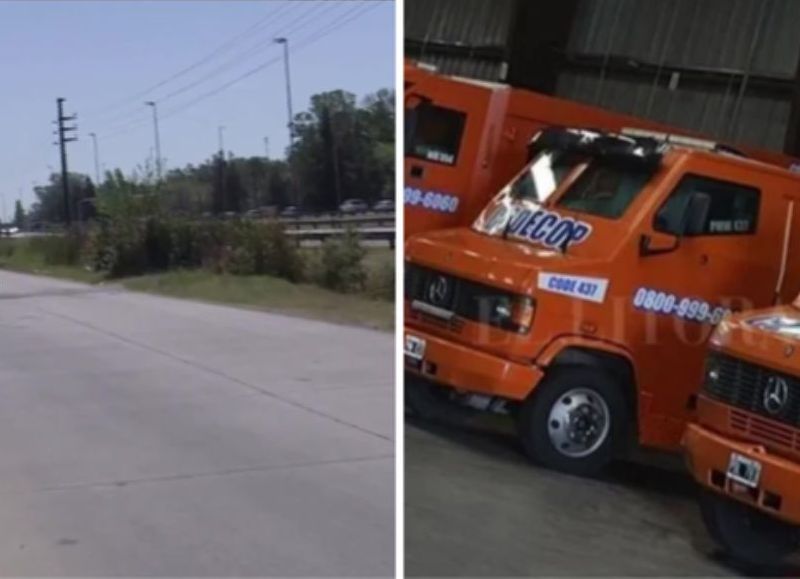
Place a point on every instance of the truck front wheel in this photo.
(746, 534)
(574, 421)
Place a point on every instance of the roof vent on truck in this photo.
(635, 152)
(682, 141)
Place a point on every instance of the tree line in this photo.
(341, 149)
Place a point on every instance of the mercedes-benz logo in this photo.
(776, 394)
(438, 289)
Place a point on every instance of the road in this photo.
(476, 507)
(142, 435)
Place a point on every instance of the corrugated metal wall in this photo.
(693, 33)
(723, 67)
(479, 28)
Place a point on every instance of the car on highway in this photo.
(290, 211)
(352, 206)
(8, 230)
(384, 206)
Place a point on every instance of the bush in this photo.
(341, 267)
(380, 283)
(156, 244)
(280, 256)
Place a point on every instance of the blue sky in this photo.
(101, 56)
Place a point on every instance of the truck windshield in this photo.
(604, 190)
(433, 133)
(544, 175)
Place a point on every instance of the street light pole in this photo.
(285, 42)
(96, 159)
(158, 139)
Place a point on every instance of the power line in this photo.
(292, 27)
(243, 56)
(311, 39)
(316, 36)
(207, 58)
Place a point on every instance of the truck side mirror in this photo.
(657, 243)
(696, 214)
(693, 222)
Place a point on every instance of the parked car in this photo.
(384, 206)
(351, 206)
(290, 211)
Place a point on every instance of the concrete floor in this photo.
(476, 507)
(141, 435)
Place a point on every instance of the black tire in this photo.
(426, 400)
(746, 534)
(534, 418)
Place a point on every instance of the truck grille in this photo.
(763, 430)
(458, 296)
(748, 386)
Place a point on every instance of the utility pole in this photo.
(96, 160)
(63, 139)
(158, 138)
(223, 184)
(221, 141)
(292, 189)
(285, 42)
(337, 181)
(266, 147)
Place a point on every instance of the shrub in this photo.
(380, 283)
(279, 255)
(341, 265)
(127, 247)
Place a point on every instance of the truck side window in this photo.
(435, 134)
(733, 211)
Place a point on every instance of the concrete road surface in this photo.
(141, 435)
(476, 507)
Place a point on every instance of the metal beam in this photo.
(791, 144)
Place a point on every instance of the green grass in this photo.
(271, 294)
(259, 292)
(20, 255)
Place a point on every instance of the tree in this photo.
(49, 205)
(344, 150)
(19, 214)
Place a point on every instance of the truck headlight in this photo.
(522, 311)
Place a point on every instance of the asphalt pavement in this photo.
(142, 435)
(475, 506)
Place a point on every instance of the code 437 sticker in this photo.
(695, 310)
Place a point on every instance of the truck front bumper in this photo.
(778, 491)
(466, 369)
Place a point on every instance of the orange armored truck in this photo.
(581, 299)
(743, 447)
(464, 139)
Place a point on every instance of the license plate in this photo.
(744, 470)
(415, 347)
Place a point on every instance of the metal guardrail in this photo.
(311, 221)
(370, 226)
(323, 233)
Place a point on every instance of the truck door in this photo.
(451, 131)
(732, 263)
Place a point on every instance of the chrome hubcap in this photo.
(578, 423)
